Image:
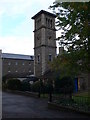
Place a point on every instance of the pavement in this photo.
(19, 106)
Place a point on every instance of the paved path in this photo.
(18, 106)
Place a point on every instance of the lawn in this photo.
(81, 98)
(83, 94)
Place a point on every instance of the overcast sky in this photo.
(16, 25)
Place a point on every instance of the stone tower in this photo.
(44, 41)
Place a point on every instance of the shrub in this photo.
(13, 84)
(26, 86)
(64, 85)
(35, 87)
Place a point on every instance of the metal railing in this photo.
(77, 102)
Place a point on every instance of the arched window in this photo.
(46, 21)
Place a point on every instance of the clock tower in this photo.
(44, 41)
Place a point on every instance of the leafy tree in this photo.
(25, 86)
(13, 84)
(73, 21)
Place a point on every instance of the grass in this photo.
(83, 94)
(81, 97)
(81, 100)
(44, 95)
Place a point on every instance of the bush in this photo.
(13, 84)
(64, 85)
(35, 87)
(26, 86)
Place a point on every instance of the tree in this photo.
(13, 84)
(73, 20)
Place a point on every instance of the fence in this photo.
(77, 102)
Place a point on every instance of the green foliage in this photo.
(73, 20)
(25, 86)
(35, 87)
(64, 85)
(13, 84)
(41, 87)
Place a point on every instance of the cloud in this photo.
(19, 45)
(20, 38)
(14, 7)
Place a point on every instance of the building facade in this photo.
(17, 65)
(44, 51)
(44, 41)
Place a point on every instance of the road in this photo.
(18, 106)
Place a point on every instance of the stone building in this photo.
(17, 65)
(44, 41)
(44, 51)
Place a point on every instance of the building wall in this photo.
(0, 84)
(0, 70)
(18, 67)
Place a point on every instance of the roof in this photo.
(45, 12)
(17, 56)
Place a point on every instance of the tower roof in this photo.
(45, 12)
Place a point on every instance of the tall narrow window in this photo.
(9, 63)
(16, 63)
(23, 63)
(50, 57)
(51, 24)
(9, 70)
(38, 58)
(46, 21)
(16, 71)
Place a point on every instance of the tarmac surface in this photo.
(19, 106)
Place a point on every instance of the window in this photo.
(23, 63)
(16, 63)
(50, 57)
(51, 24)
(29, 63)
(38, 22)
(31, 57)
(29, 71)
(9, 71)
(9, 63)
(46, 21)
(16, 71)
(37, 38)
(49, 38)
(38, 58)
